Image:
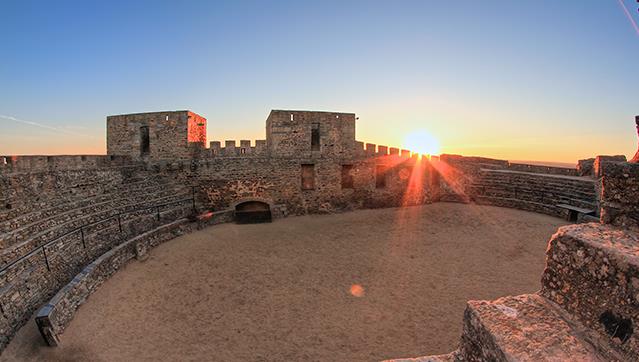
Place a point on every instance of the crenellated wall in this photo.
(59, 214)
(232, 149)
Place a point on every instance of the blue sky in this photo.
(534, 80)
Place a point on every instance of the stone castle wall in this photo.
(221, 182)
(289, 133)
(170, 134)
(62, 212)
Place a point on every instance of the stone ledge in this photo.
(523, 328)
(450, 357)
(592, 271)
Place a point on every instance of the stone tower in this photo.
(310, 134)
(156, 135)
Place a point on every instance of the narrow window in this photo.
(144, 140)
(308, 177)
(315, 137)
(347, 177)
(4, 161)
(380, 177)
(242, 150)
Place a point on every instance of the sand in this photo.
(360, 286)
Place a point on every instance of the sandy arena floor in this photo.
(360, 286)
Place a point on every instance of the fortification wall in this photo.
(528, 187)
(66, 211)
(337, 185)
(232, 149)
(34, 188)
(619, 185)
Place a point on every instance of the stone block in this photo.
(523, 328)
(592, 271)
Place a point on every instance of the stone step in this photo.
(539, 181)
(546, 197)
(526, 328)
(592, 271)
(565, 178)
(62, 201)
(590, 194)
(17, 250)
(587, 190)
(21, 233)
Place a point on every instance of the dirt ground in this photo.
(360, 286)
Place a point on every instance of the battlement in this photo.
(9, 164)
(372, 150)
(232, 149)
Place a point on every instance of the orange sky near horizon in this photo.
(522, 140)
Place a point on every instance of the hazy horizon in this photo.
(544, 81)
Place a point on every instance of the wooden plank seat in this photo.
(574, 211)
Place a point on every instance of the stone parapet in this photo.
(592, 271)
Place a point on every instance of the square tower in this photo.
(158, 135)
(309, 134)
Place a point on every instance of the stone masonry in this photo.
(60, 215)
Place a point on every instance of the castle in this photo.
(69, 222)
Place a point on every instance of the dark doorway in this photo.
(144, 140)
(251, 212)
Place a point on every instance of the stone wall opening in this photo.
(315, 137)
(252, 212)
(144, 140)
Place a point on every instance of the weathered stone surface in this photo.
(522, 328)
(592, 271)
(586, 167)
(47, 197)
(619, 194)
(495, 182)
(170, 134)
(601, 160)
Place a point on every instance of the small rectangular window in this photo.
(315, 137)
(308, 177)
(347, 177)
(380, 177)
(243, 150)
(144, 140)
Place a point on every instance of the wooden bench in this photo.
(574, 211)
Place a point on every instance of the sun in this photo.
(422, 142)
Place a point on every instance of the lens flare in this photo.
(357, 290)
(422, 142)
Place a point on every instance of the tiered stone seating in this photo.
(586, 310)
(48, 224)
(533, 192)
(51, 247)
